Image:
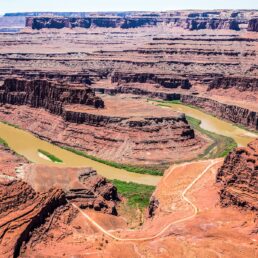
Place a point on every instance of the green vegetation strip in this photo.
(221, 145)
(129, 168)
(50, 156)
(13, 125)
(137, 195)
(164, 102)
(4, 143)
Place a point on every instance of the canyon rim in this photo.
(129, 134)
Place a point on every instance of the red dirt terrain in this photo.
(82, 80)
(189, 217)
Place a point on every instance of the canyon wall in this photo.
(49, 95)
(165, 81)
(211, 24)
(29, 209)
(239, 83)
(130, 22)
(90, 22)
(253, 25)
(239, 178)
(22, 211)
(231, 113)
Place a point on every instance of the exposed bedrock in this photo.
(232, 113)
(253, 25)
(49, 95)
(164, 80)
(239, 178)
(69, 77)
(105, 22)
(239, 83)
(212, 24)
(81, 185)
(132, 22)
(22, 211)
(143, 92)
(97, 193)
(131, 140)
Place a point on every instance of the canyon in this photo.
(51, 222)
(104, 87)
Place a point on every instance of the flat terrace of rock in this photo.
(125, 106)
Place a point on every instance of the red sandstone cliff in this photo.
(253, 25)
(239, 83)
(232, 113)
(21, 211)
(132, 22)
(239, 178)
(49, 95)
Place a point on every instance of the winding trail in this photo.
(195, 211)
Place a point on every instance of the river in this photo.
(208, 122)
(26, 144)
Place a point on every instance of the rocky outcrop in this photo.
(80, 185)
(49, 95)
(165, 81)
(22, 211)
(143, 92)
(253, 25)
(131, 22)
(62, 77)
(231, 113)
(212, 24)
(97, 193)
(89, 22)
(153, 206)
(239, 83)
(239, 178)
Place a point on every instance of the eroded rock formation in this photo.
(49, 95)
(212, 24)
(96, 193)
(105, 22)
(239, 178)
(21, 211)
(239, 83)
(232, 113)
(253, 25)
(37, 199)
(165, 81)
(82, 186)
(131, 22)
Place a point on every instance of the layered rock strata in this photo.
(105, 22)
(163, 80)
(127, 130)
(49, 95)
(239, 178)
(82, 186)
(231, 113)
(212, 24)
(239, 83)
(21, 211)
(253, 25)
(131, 22)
